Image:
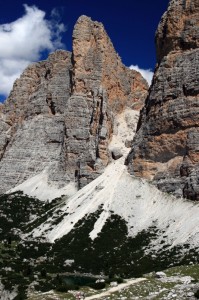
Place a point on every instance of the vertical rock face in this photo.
(101, 87)
(33, 125)
(43, 88)
(97, 64)
(59, 115)
(166, 147)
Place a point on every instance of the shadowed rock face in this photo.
(59, 115)
(166, 146)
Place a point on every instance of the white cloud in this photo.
(22, 42)
(147, 74)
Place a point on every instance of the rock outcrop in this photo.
(59, 116)
(166, 146)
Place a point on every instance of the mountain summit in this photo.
(58, 120)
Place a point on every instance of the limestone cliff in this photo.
(33, 124)
(97, 64)
(59, 116)
(166, 146)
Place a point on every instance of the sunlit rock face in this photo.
(166, 147)
(58, 118)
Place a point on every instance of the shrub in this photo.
(66, 287)
(62, 288)
(119, 279)
(97, 285)
(43, 272)
(20, 297)
(197, 294)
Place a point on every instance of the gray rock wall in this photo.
(59, 115)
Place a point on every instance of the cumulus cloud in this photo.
(24, 40)
(146, 73)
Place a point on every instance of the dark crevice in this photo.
(184, 4)
(184, 90)
(54, 142)
(140, 119)
(189, 91)
(97, 152)
(71, 81)
(77, 175)
(71, 74)
(165, 31)
(91, 120)
(101, 119)
(51, 104)
(52, 108)
(4, 149)
(47, 75)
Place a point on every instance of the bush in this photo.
(43, 272)
(62, 288)
(197, 294)
(66, 287)
(97, 285)
(119, 279)
(20, 297)
(21, 294)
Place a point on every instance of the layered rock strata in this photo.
(59, 116)
(166, 146)
(35, 125)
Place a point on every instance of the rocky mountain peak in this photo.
(166, 145)
(57, 123)
(96, 64)
(178, 28)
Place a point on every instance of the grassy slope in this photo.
(112, 252)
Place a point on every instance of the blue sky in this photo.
(130, 24)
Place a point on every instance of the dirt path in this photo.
(115, 289)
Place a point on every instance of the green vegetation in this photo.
(185, 270)
(97, 285)
(196, 294)
(113, 253)
(118, 255)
